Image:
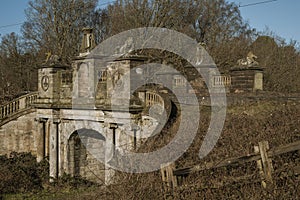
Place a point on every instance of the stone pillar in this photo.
(9, 141)
(47, 138)
(258, 80)
(114, 127)
(61, 158)
(136, 133)
(54, 153)
(41, 140)
(39, 147)
(110, 132)
(71, 161)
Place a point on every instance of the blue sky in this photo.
(280, 16)
(11, 12)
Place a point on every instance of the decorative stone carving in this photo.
(45, 82)
(52, 59)
(115, 74)
(249, 61)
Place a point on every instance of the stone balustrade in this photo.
(17, 105)
(220, 81)
(153, 99)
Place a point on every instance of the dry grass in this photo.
(245, 126)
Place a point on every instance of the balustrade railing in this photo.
(152, 99)
(220, 81)
(21, 103)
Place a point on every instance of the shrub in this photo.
(19, 172)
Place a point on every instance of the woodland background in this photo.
(55, 26)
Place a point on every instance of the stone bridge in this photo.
(76, 113)
(17, 124)
(58, 122)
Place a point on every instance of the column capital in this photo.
(56, 121)
(113, 125)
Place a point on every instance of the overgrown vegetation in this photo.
(21, 174)
(246, 125)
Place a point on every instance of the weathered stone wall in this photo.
(19, 135)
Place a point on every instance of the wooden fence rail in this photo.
(239, 160)
(262, 155)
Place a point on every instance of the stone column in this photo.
(110, 136)
(54, 153)
(41, 139)
(39, 146)
(114, 127)
(47, 137)
(61, 157)
(258, 80)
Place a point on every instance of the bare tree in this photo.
(205, 20)
(281, 63)
(218, 23)
(54, 25)
(17, 67)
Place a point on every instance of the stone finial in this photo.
(88, 41)
(249, 61)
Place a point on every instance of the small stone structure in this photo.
(247, 79)
(72, 104)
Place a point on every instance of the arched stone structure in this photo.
(81, 161)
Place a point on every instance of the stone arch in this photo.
(82, 146)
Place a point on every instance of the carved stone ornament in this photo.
(249, 61)
(45, 83)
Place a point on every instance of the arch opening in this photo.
(83, 144)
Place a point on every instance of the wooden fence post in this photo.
(168, 178)
(264, 164)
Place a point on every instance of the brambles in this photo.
(20, 173)
(245, 126)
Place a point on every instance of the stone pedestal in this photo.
(246, 79)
